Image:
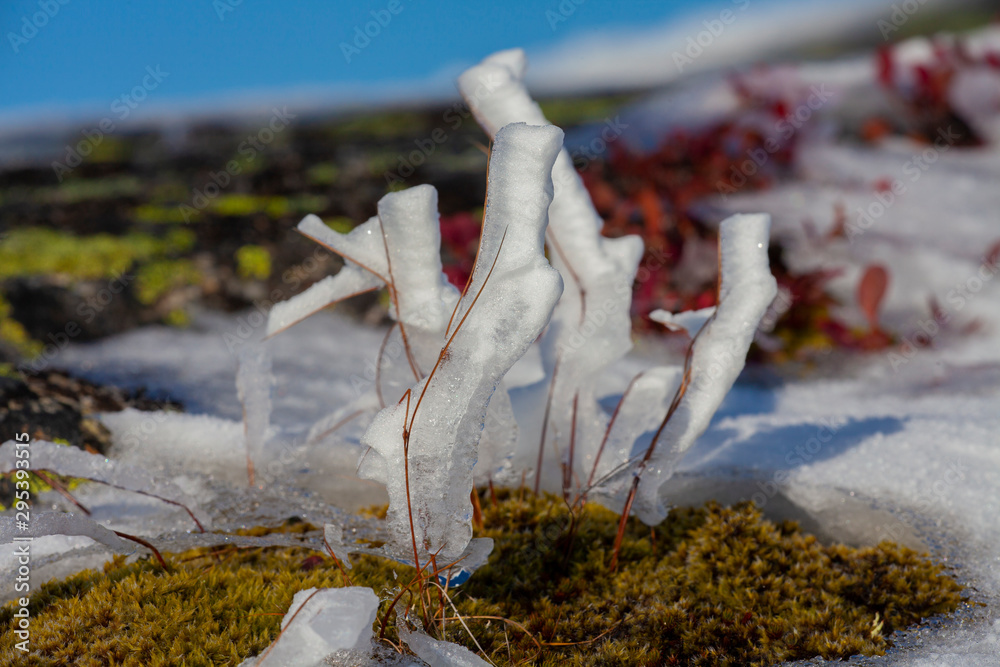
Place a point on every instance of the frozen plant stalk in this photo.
(424, 447)
(591, 326)
(717, 355)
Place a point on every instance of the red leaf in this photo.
(993, 255)
(871, 290)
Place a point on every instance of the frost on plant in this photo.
(253, 387)
(457, 348)
(716, 357)
(431, 434)
(446, 418)
(559, 417)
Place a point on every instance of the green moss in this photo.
(30, 251)
(340, 224)
(159, 214)
(324, 173)
(14, 334)
(274, 207)
(566, 112)
(385, 125)
(75, 190)
(155, 279)
(253, 261)
(710, 586)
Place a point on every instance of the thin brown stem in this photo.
(607, 431)
(545, 422)
(378, 366)
(139, 540)
(63, 491)
(290, 621)
(394, 295)
(336, 426)
(444, 350)
(570, 454)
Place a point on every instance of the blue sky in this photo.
(88, 53)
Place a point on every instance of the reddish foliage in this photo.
(921, 91)
(653, 195)
(459, 243)
(871, 291)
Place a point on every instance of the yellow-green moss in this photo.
(30, 251)
(156, 278)
(163, 214)
(253, 261)
(275, 207)
(710, 586)
(324, 173)
(14, 334)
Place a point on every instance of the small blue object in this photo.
(456, 580)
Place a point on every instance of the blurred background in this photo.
(155, 157)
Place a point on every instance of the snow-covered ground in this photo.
(902, 444)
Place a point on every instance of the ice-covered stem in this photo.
(399, 248)
(59, 523)
(715, 359)
(591, 326)
(424, 448)
(253, 387)
(73, 462)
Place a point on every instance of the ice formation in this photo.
(434, 652)
(73, 462)
(62, 523)
(559, 418)
(253, 387)
(447, 419)
(321, 621)
(718, 353)
(590, 327)
(424, 447)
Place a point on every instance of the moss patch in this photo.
(39, 251)
(710, 586)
